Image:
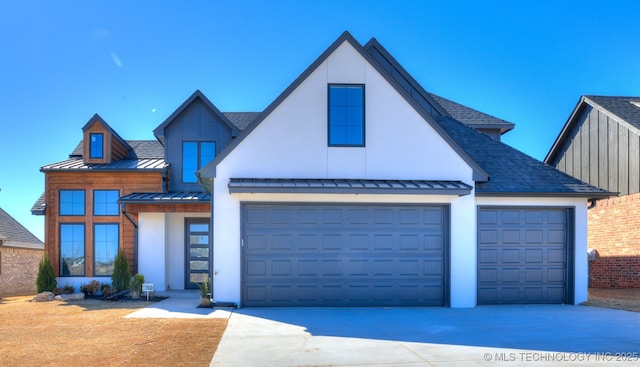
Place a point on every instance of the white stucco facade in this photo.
(291, 142)
(161, 248)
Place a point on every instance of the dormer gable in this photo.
(101, 144)
(197, 96)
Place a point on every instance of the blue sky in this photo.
(135, 62)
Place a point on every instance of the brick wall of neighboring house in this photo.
(614, 231)
(18, 270)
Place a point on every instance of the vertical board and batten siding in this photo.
(602, 152)
(125, 182)
(196, 123)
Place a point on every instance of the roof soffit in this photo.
(478, 173)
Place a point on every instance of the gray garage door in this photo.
(337, 255)
(523, 255)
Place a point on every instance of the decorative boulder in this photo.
(70, 297)
(44, 297)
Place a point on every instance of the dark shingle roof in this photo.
(39, 207)
(472, 117)
(623, 107)
(513, 172)
(141, 149)
(15, 234)
(241, 119)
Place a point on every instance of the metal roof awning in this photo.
(166, 198)
(348, 186)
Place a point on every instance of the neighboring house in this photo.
(20, 254)
(355, 187)
(600, 144)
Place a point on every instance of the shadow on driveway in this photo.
(554, 328)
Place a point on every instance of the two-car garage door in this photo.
(344, 255)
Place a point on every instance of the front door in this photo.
(197, 251)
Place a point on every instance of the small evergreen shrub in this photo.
(46, 278)
(121, 276)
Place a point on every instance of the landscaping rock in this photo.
(70, 297)
(44, 297)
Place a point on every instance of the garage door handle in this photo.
(242, 242)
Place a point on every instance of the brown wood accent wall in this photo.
(125, 182)
(113, 148)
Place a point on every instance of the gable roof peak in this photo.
(97, 118)
(209, 171)
(159, 131)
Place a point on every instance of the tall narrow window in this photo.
(105, 202)
(71, 202)
(72, 250)
(105, 248)
(96, 149)
(346, 115)
(196, 155)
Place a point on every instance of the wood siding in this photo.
(125, 182)
(601, 151)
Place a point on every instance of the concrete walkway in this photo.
(180, 304)
(488, 335)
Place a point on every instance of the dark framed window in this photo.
(195, 155)
(96, 147)
(346, 115)
(105, 202)
(106, 238)
(72, 250)
(71, 202)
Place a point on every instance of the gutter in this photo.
(135, 236)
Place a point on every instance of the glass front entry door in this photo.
(197, 251)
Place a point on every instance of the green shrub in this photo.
(121, 275)
(46, 278)
(135, 285)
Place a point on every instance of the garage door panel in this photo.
(522, 255)
(332, 255)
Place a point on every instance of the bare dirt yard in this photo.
(94, 333)
(621, 299)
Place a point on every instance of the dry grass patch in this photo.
(94, 333)
(620, 299)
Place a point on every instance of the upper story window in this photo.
(195, 155)
(71, 202)
(105, 202)
(346, 115)
(96, 149)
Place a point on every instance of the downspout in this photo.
(592, 203)
(135, 237)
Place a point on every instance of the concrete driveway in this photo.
(487, 335)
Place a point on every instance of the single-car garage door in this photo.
(524, 255)
(344, 255)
